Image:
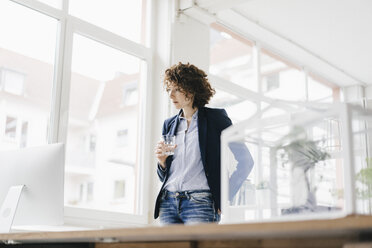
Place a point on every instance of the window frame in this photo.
(68, 26)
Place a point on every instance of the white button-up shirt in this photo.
(187, 171)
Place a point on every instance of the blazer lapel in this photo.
(173, 128)
(202, 129)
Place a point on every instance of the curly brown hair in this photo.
(192, 81)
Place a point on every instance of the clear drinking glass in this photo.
(170, 144)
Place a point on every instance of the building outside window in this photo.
(27, 61)
(102, 90)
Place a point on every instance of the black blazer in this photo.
(211, 122)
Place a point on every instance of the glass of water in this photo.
(170, 144)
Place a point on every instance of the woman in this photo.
(191, 177)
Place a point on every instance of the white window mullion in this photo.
(257, 72)
(58, 81)
(64, 87)
(144, 138)
(42, 8)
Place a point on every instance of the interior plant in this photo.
(364, 176)
(304, 154)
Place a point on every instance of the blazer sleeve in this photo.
(224, 120)
(243, 168)
(163, 172)
(242, 156)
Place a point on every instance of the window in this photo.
(271, 82)
(125, 18)
(233, 105)
(27, 55)
(86, 192)
(281, 79)
(24, 130)
(12, 82)
(231, 57)
(11, 127)
(253, 82)
(90, 97)
(122, 137)
(119, 191)
(130, 96)
(96, 107)
(92, 142)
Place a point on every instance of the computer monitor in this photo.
(33, 178)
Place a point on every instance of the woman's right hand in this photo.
(160, 154)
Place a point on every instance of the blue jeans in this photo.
(187, 207)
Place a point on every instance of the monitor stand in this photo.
(9, 207)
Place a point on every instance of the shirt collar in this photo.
(194, 116)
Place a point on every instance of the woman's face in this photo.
(178, 97)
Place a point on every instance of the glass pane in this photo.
(238, 109)
(54, 3)
(369, 103)
(231, 58)
(298, 171)
(27, 54)
(361, 132)
(125, 18)
(280, 80)
(102, 140)
(272, 111)
(319, 91)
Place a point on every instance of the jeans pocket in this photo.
(202, 198)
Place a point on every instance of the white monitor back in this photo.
(41, 170)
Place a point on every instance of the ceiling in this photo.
(330, 37)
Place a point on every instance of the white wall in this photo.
(190, 42)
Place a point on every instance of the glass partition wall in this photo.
(315, 164)
(256, 85)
